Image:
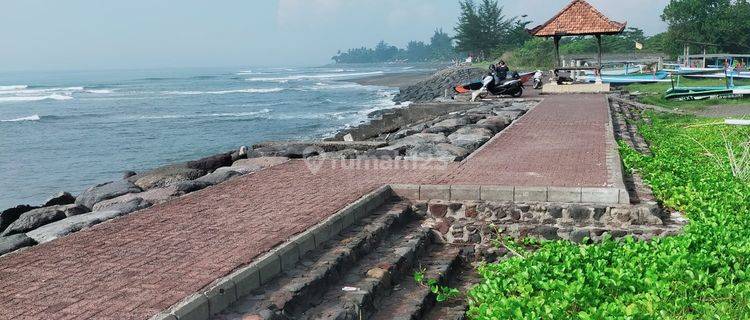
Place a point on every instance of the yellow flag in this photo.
(638, 45)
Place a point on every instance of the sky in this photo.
(135, 34)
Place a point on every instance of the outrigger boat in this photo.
(660, 76)
(730, 91)
(722, 75)
(627, 70)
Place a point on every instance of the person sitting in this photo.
(502, 70)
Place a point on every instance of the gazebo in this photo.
(579, 18)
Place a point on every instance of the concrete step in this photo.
(412, 300)
(357, 293)
(299, 289)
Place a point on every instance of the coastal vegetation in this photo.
(701, 274)
(440, 48)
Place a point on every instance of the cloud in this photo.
(295, 14)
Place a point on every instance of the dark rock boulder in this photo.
(67, 226)
(166, 176)
(380, 155)
(34, 219)
(415, 140)
(125, 206)
(494, 124)
(239, 154)
(12, 243)
(293, 151)
(106, 191)
(440, 152)
(470, 138)
(74, 209)
(211, 163)
(218, 177)
(186, 187)
(127, 174)
(436, 86)
(448, 125)
(61, 198)
(11, 215)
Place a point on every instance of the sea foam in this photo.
(313, 76)
(251, 90)
(29, 118)
(35, 98)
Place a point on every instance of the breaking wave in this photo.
(314, 76)
(208, 115)
(251, 90)
(29, 118)
(36, 98)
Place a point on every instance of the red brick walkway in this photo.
(134, 267)
(561, 142)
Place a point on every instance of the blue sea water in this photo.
(66, 131)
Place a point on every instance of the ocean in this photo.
(66, 131)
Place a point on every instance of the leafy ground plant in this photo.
(702, 274)
(442, 293)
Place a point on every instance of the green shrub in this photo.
(701, 274)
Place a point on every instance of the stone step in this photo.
(358, 291)
(412, 300)
(294, 291)
(464, 278)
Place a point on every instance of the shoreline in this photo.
(423, 131)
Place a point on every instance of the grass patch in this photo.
(654, 94)
(701, 274)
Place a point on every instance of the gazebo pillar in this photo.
(557, 51)
(599, 44)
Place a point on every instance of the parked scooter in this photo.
(538, 79)
(493, 85)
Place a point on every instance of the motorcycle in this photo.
(491, 84)
(538, 79)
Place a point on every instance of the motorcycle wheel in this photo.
(518, 93)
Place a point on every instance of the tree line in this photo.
(440, 48)
(485, 32)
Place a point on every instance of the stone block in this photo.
(194, 307)
(600, 195)
(498, 194)
(437, 210)
(435, 192)
(321, 233)
(530, 194)
(406, 191)
(347, 217)
(269, 266)
(465, 193)
(305, 242)
(565, 195)
(624, 197)
(335, 225)
(289, 255)
(246, 280)
(220, 296)
(163, 316)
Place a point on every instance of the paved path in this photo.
(136, 266)
(561, 142)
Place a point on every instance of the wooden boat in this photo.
(660, 76)
(700, 93)
(619, 71)
(720, 75)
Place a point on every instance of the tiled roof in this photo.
(578, 18)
